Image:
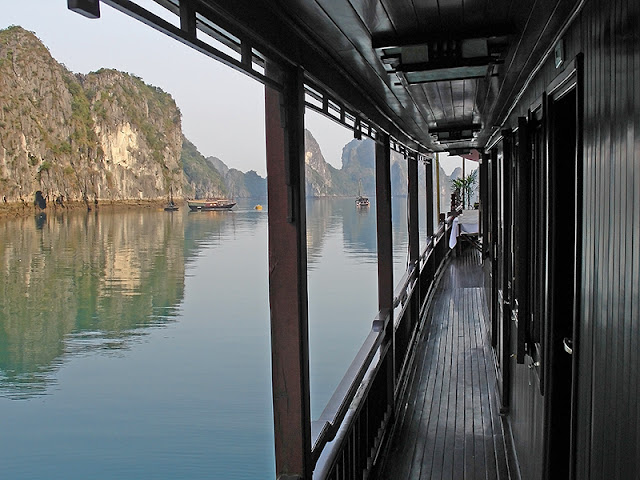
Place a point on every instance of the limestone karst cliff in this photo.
(102, 136)
(202, 180)
(240, 184)
(108, 136)
(358, 172)
(318, 173)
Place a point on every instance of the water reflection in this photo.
(82, 282)
(342, 284)
(325, 216)
(160, 322)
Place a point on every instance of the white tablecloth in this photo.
(468, 223)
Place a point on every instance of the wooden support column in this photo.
(414, 237)
(438, 185)
(385, 260)
(284, 123)
(464, 199)
(484, 204)
(188, 18)
(88, 8)
(429, 193)
(383, 218)
(414, 220)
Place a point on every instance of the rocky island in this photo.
(108, 138)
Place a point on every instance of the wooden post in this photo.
(414, 221)
(464, 199)
(438, 184)
(414, 238)
(88, 8)
(383, 218)
(429, 193)
(385, 258)
(284, 125)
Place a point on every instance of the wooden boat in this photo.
(210, 204)
(361, 200)
(170, 206)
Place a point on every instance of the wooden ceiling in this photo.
(437, 74)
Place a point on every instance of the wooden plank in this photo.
(437, 349)
(604, 446)
(446, 96)
(470, 346)
(620, 377)
(479, 465)
(629, 468)
(452, 403)
(435, 346)
(586, 338)
(451, 13)
(486, 370)
(451, 427)
(419, 94)
(428, 14)
(635, 260)
(374, 16)
(409, 431)
(401, 10)
(434, 446)
(458, 99)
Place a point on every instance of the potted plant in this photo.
(466, 186)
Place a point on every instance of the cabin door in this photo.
(502, 269)
(564, 266)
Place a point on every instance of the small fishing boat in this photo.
(170, 206)
(210, 204)
(361, 200)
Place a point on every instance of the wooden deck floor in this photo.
(449, 426)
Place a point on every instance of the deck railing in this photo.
(348, 437)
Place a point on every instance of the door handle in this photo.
(567, 343)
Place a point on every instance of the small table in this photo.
(467, 224)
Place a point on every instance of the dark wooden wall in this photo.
(608, 348)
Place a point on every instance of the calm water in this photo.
(136, 344)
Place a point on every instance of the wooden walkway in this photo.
(449, 426)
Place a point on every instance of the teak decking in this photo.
(449, 425)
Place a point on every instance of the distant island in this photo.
(108, 137)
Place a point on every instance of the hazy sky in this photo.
(222, 109)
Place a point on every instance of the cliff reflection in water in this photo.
(82, 282)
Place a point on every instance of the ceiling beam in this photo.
(497, 33)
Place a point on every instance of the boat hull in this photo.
(362, 201)
(210, 205)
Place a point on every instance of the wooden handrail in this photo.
(326, 427)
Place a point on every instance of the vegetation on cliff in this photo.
(202, 179)
(108, 135)
(102, 136)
